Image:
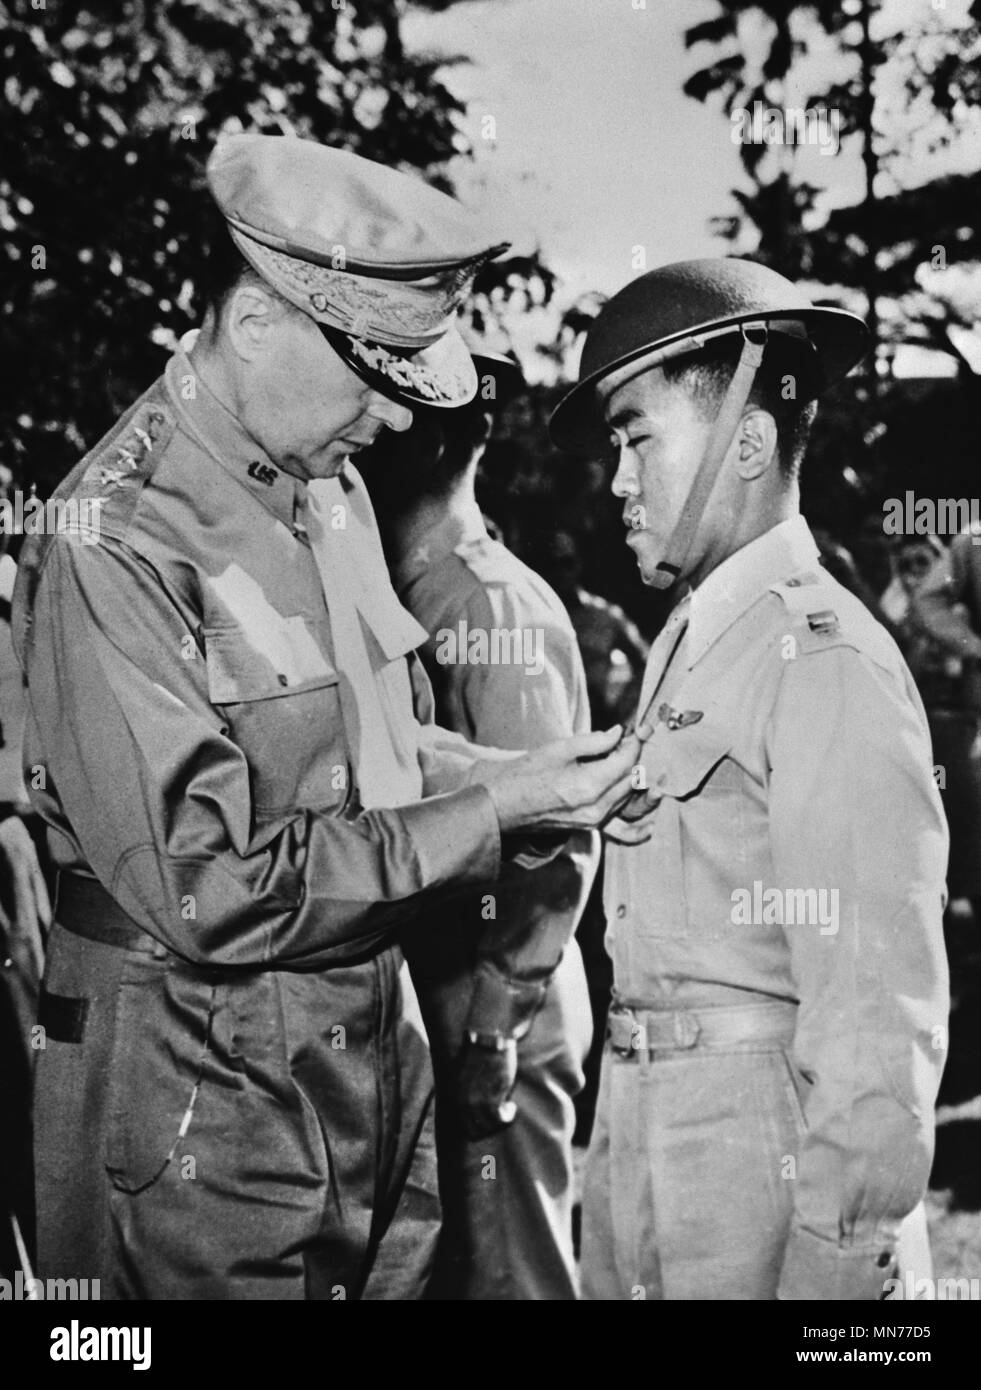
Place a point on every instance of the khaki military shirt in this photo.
(506, 671)
(798, 853)
(184, 740)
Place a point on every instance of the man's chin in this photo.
(648, 556)
(330, 460)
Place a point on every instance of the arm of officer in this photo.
(937, 610)
(853, 810)
(160, 797)
(449, 761)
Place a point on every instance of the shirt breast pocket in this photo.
(277, 690)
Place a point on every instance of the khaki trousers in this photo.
(264, 1137)
(688, 1190)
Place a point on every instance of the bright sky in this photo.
(596, 150)
(595, 143)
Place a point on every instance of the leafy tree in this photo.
(779, 206)
(912, 251)
(109, 111)
(882, 244)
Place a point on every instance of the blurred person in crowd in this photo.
(12, 790)
(504, 1001)
(613, 650)
(873, 555)
(941, 589)
(913, 557)
(841, 565)
(25, 916)
(775, 892)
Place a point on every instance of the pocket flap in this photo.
(279, 658)
(679, 760)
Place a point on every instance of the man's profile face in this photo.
(304, 405)
(913, 564)
(661, 437)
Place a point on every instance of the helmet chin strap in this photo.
(723, 430)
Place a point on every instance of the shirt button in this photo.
(283, 680)
(884, 1259)
(622, 910)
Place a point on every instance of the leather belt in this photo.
(632, 1032)
(85, 908)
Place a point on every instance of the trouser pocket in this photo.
(161, 1043)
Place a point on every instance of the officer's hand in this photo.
(485, 1080)
(631, 823)
(575, 782)
(32, 908)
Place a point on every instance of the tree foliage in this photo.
(109, 111)
(915, 248)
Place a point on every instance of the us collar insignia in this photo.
(262, 472)
(678, 719)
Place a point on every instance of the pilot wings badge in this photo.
(678, 719)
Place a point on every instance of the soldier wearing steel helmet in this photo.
(242, 788)
(774, 892)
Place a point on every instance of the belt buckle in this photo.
(637, 1034)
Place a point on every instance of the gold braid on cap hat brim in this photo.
(404, 313)
(410, 375)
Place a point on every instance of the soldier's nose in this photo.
(391, 413)
(624, 484)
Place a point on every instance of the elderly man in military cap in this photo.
(774, 892)
(242, 792)
(498, 971)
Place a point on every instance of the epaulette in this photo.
(824, 614)
(117, 468)
(97, 498)
(486, 559)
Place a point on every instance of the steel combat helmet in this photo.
(677, 311)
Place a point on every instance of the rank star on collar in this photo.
(678, 719)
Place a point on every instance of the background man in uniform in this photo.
(234, 1098)
(498, 972)
(779, 1022)
(945, 609)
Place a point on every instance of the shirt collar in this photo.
(463, 526)
(736, 584)
(222, 435)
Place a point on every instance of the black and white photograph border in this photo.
(490, 659)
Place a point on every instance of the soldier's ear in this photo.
(756, 444)
(250, 315)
